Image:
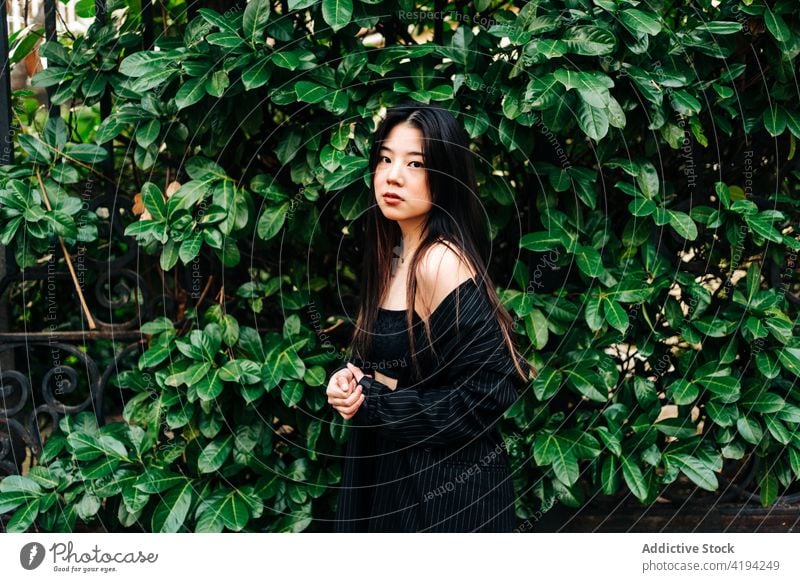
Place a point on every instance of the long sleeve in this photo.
(474, 385)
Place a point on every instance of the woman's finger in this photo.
(338, 390)
(340, 398)
(356, 371)
(353, 398)
(349, 403)
(341, 379)
(350, 410)
(344, 379)
(347, 400)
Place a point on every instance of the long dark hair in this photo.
(456, 217)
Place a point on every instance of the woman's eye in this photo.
(382, 158)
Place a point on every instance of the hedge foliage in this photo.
(637, 163)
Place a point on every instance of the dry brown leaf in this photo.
(139, 209)
(33, 64)
(172, 188)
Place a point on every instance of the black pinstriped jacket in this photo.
(460, 471)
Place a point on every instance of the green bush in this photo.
(637, 163)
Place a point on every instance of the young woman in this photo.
(426, 384)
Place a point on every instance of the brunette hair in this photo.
(456, 217)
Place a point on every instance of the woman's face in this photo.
(401, 171)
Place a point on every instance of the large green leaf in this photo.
(258, 73)
(593, 312)
(337, 13)
(536, 328)
(616, 315)
(234, 511)
(790, 358)
(609, 475)
(590, 40)
(547, 382)
(254, 21)
(351, 170)
(776, 25)
(592, 120)
(215, 454)
(585, 82)
(634, 478)
(210, 386)
(292, 393)
(684, 102)
(540, 241)
(587, 382)
(170, 514)
(141, 63)
(768, 488)
(36, 149)
(190, 92)
(272, 220)
(727, 387)
(589, 260)
(153, 201)
(777, 429)
(774, 120)
(24, 517)
(647, 179)
(750, 429)
(721, 27)
(697, 471)
(543, 92)
(721, 414)
(20, 484)
(190, 247)
(761, 402)
(640, 21)
(763, 227)
(222, 21)
(550, 449)
(310, 92)
(169, 255)
(682, 391)
(10, 500)
(157, 480)
(683, 224)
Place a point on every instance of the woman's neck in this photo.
(411, 232)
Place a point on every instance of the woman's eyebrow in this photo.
(388, 149)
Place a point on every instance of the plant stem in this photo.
(67, 259)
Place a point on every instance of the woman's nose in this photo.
(395, 173)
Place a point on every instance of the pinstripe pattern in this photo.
(427, 456)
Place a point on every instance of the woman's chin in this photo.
(392, 213)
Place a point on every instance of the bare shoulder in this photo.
(441, 270)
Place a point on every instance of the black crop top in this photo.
(390, 352)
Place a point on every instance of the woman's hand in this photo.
(344, 393)
(356, 371)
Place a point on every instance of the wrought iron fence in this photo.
(47, 372)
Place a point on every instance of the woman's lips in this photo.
(392, 199)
